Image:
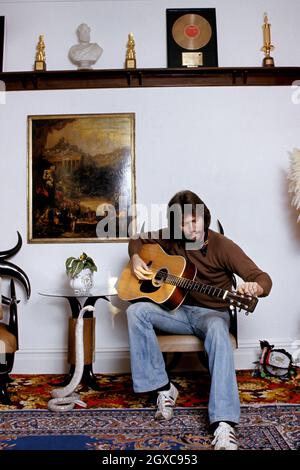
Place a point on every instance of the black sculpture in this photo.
(10, 269)
(9, 341)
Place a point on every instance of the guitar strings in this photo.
(190, 284)
(241, 301)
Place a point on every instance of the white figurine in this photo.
(84, 54)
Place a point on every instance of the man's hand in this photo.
(250, 288)
(139, 268)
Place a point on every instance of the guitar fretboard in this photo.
(189, 284)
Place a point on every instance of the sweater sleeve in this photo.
(136, 242)
(239, 263)
(134, 246)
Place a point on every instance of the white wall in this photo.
(238, 26)
(228, 144)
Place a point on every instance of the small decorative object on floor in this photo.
(294, 179)
(80, 271)
(274, 362)
(130, 62)
(40, 57)
(267, 47)
(84, 54)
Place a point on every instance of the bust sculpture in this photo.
(84, 54)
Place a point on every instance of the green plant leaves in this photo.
(75, 265)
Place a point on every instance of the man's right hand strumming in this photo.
(139, 268)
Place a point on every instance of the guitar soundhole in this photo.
(160, 277)
(153, 285)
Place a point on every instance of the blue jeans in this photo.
(147, 363)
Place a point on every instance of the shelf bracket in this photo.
(234, 75)
(245, 77)
(140, 78)
(128, 76)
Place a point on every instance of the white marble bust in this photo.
(84, 54)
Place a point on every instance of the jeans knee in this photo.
(135, 312)
(132, 311)
(217, 327)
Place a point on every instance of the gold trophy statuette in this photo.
(267, 47)
(40, 56)
(130, 62)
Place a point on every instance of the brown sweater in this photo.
(222, 258)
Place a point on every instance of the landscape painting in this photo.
(81, 178)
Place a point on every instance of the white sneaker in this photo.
(225, 438)
(165, 402)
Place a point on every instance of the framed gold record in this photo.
(191, 31)
(192, 37)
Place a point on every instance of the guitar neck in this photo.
(191, 285)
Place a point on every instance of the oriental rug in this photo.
(115, 391)
(262, 427)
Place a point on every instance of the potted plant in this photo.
(80, 271)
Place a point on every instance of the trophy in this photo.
(40, 56)
(267, 47)
(130, 62)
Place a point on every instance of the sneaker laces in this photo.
(225, 438)
(164, 400)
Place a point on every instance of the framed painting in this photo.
(1, 42)
(81, 178)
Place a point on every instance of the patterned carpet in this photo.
(267, 427)
(117, 418)
(33, 391)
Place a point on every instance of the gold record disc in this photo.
(191, 31)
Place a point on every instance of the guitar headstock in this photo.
(242, 301)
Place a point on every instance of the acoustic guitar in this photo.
(171, 278)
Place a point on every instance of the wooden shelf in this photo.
(138, 78)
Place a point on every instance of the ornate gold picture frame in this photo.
(81, 178)
(2, 20)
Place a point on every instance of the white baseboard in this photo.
(38, 361)
(117, 360)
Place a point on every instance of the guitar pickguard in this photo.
(146, 287)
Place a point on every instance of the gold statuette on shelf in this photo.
(268, 61)
(40, 56)
(130, 62)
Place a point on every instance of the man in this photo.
(216, 259)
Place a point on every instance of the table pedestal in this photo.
(88, 377)
(77, 302)
(88, 340)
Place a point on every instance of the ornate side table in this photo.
(77, 302)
